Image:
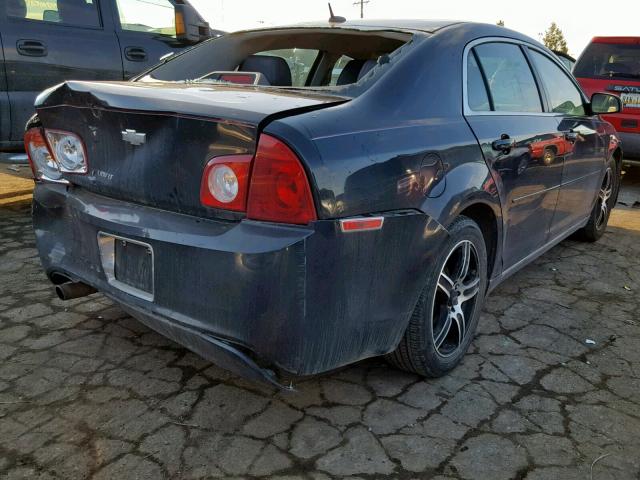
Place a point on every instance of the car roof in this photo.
(427, 26)
(424, 26)
(412, 26)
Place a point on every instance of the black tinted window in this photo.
(609, 60)
(563, 95)
(510, 80)
(82, 13)
(476, 91)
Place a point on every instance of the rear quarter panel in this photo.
(402, 146)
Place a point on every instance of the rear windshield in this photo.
(608, 60)
(310, 58)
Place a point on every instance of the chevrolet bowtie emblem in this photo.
(133, 137)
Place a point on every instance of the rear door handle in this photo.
(135, 54)
(31, 48)
(504, 145)
(571, 136)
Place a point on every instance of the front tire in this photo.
(605, 202)
(444, 321)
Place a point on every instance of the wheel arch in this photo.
(484, 216)
(472, 191)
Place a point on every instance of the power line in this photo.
(361, 3)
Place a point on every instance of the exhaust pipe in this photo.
(71, 290)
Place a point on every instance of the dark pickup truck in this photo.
(45, 42)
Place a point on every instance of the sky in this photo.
(579, 21)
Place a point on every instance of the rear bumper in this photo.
(630, 146)
(250, 296)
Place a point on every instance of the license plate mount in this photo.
(128, 265)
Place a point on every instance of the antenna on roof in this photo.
(333, 18)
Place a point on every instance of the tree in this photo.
(554, 39)
(500, 23)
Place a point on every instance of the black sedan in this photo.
(286, 201)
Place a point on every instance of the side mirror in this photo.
(191, 28)
(604, 103)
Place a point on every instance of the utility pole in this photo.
(361, 3)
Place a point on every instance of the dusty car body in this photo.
(389, 186)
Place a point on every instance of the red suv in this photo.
(612, 64)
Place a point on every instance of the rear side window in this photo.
(476, 90)
(509, 78)
(609, 60)
(81, 13)
(563, 95)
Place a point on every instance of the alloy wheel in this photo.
(604, 195)
(455, 298)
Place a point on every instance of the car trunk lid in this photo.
(149, 143)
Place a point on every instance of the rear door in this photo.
(504, 107)
(49, 41)
(146, 32)
(578, 140)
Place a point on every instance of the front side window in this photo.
(564, 96)
(299, 60)
(148, 16)
(82, 13)
(510, 80)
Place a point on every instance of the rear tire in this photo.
(599, 219)
(445, 318)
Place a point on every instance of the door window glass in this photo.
(564, 96)
(149, 16)
(82, 13)
(510, 79)
(300, 61)
(476, 91)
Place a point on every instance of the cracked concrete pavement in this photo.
(88, 392)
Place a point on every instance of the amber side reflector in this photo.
(181, 28)
(361, 224)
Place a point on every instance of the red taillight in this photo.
(225, 182)
(274, 188)
(43, 165)
(279, 190)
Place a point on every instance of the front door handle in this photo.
(31, 48)
(571, 136)
(135, 54)
(504, 145)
